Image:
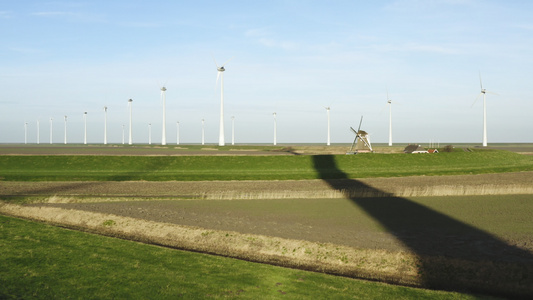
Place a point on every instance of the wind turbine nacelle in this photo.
(221, 69)
(483, 91)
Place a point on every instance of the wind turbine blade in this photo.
(360, 122)
(214, 60)
(216, 83)
(492, 93)
(227, 61)
(480, 83)
(476, 100)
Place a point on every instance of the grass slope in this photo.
(42, 262)
(190, 168)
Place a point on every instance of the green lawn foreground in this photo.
(188, 168)
(40, 261)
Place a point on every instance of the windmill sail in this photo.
(361, 143)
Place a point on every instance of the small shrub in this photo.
(109, 223)
(448, 148)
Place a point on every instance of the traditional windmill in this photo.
(361, 143)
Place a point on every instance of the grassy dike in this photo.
(194, 168)
(45, 262)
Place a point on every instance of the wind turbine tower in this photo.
(51, 129)
(38, 131)
(130, 139)
(203, 132)
(163, 98)
(329, 135)
(177, 132)
(85, 128)
(149, 133)
(65, 139)
(233, 130)
(275, 129)
(105, 125)
(483, 92)
(390, 120)
(25, 132)
(221, 75)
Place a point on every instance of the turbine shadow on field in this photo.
(445, 245)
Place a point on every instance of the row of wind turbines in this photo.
(221, 140)
(482, 93)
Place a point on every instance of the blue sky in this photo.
(294, 58)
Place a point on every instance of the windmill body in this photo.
(361, 143)
(38, 132)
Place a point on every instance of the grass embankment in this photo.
(43, 262)
(193, 168)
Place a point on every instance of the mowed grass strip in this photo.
(193, 168)
(45, 262)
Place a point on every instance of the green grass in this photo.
(44, 262)
(188, 168)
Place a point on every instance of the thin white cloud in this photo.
(24, 50)
(141, 24)
(266, 38)
(5, 14)
(52, 13)
(70, 16)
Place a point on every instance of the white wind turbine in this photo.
(163, 98)
(483, 92)
(221, 75)
(65, 139)
(149, 133)
(130, 139)
(203, 132)
(25, 132)
(51, 129)
(85, 128)
(329, 133)
(177, 132)
(275, 129)
(389, 102)
(38, 131)
(105, 125)
(232, 130)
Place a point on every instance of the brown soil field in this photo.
(458, 185)
(471, 232)
(340, 222)
(297, 209)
